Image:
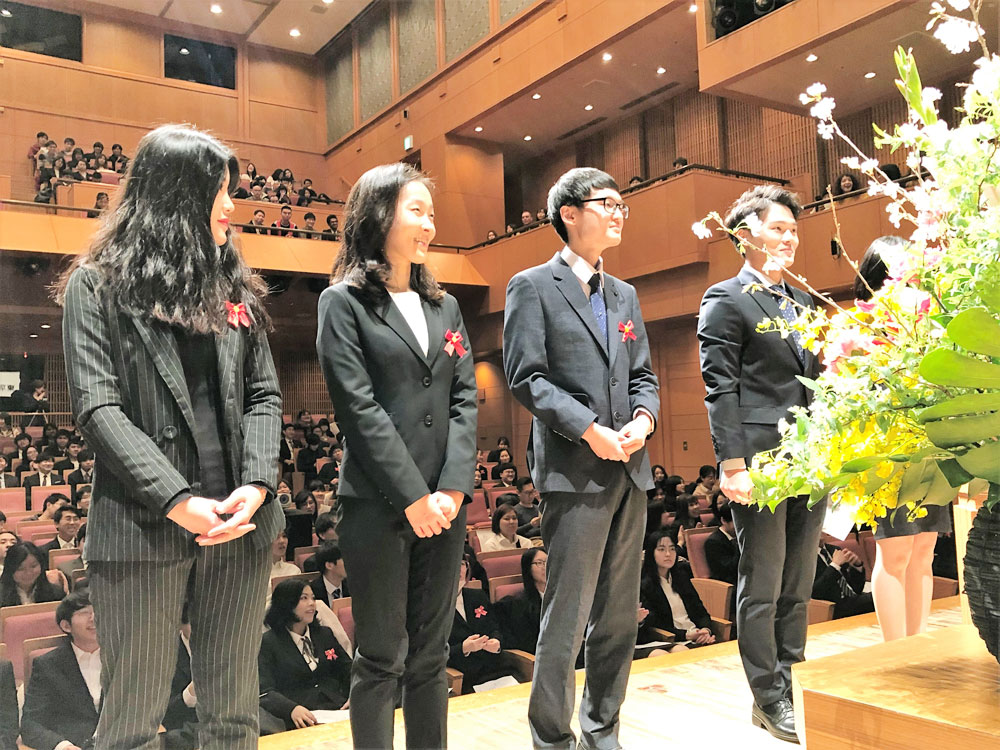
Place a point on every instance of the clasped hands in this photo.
(480, 643)
(203, 516)
(434, 512)
(618, 446)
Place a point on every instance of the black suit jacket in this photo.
(479, 666)
(660, 615)
(9, 721)
(10, 480)
(723, 556)
(826, 585)
(65, 466)
(49, 546)
(407, 421)
(285, 454)
(520, 621)
(131, 403)
(562, 370)
(57, 703)
(750, 377)
(286, 680)
(319, 588)
(33, 481)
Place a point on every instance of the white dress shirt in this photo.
(460, 605)
(330, 589)
(309, 654)
(63, 544)
(677, 608)
(284, 568)
(90, 668)
(411, 307)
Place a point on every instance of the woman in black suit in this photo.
(521, 615)
(396, 359)
(302, 666)
(23, 580)
(667, 592)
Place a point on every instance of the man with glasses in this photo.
(576, 355)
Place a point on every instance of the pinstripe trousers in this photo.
(137, 607)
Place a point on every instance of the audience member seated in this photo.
(67, 520)
(635, 180)
(84, 474)
(505, 471)
(22, 441)
(302, 666)
(508, 229)
(306, 501)
(308, 456)
(29, 463)
(654, 509)
(667, 592)
(503, 442)
(9, 721)
(846, 183)
(284, 226)
(94, 156)
(7, 480)
(541, 215)
(474, 643)
(840, 578)
(326, 527)
(101, 204)
(287, 447)
(69, 566)
(23, 580)
(284, 495)
(526, 218)
(332, 231)
(310, 226)
(7, 540)
(529, 520)
(63, 695)
(521, 615)
(722, 551)
(659, 475)
(83, 495)
(256, 225)
(329, 474)
(505, 536)
(117, 162)
(687, 512)
(332, 584)
(706, 481)
(7, 429)
(491, 235)
(50, 505)
(45, 477)
(279, 549)
(679, 163)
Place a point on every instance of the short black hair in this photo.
(62, 511)
(726, 513)
(85, 455)
(261, 212)
(46, 456)
(680, 161)
(706, 470)
(503, 467)
(115, 145)
(64, 433)
(324, 523)
(69, 139)
(41, 134)
(571, 189)
(55, 497)
(503, 439)
(284, 206)
(22, 436)
(98, 144)
(284, 600)
(71, 604)
(502, 510)
(306, 179)
(757, 200)
(309, 215)
(328, 552)
(523, 481)
(286, 425)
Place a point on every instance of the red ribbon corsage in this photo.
(330, 654)
(480, 612)
(627, 331)
(237, 315)
(453, 343)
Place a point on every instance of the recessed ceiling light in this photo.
(606, 57)
(479, 128)
(216, 8)
(693, 8)
(328, 2)
(184, 51)
(5, 13)
(46, 326)
(527, 137)
(295, 33)
(536, 96)
(870, 74)
(812, 57)
(32, 335)
(589, 107)
(661, 70)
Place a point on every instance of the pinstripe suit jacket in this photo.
(131, 403)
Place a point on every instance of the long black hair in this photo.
(155, 253)
(41, 590)
(531, 592)
(872, 268)
(368, 217)
(284, 600)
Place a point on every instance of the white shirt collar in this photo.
(580, 267)
(330, 587)
(90, 668)
(768, 284)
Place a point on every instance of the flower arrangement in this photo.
(907, 409)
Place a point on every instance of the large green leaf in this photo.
(977, 330)
(948, 367)
(983, 462)
(969, 403)
(947, 433)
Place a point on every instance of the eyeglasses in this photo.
(539, 563)
(610, 204)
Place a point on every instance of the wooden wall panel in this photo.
(622, 158)
(661, 148)
(289, 80)
(301, 380)
(788, 149)
(128, 48)
(743, 135)
(696, 128)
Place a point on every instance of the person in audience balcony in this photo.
(76, 170)
(541, 215)
(302, 666)
(46, 157)
(529, 519)
(332, 583)
(69, 146)
(504, 457)
(284, 226)
(279, 552)
(659, 475)
(94, 156)
(7, 429)
(251, 171)
(257, 193)
(33, 400)
(722, 551)
(309, 225)
(62, 698)
(706, 483)
(117, 162)
(398, 366)
(257, 225)
(101, 204)
(474, 643)
(635, 180)
(67, 519)
(7, 540)
(308, 456)
(521, 614)
(304, 420)
(306, 193)
(10, 725)
(283, 494)
(526, 218)
(508, 229)
(41, 140)
(504, 525)
(23, 580)
(503, 443)
(7, 480)
(840, 578)
(332, 231)
(70, 461)
(305, 501)
(846, 183)
(46, 476)
(668, 594)
(491, 235)
(679, 163)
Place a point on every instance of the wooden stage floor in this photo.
(695, 699)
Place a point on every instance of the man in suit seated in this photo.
(507, 473)
(840, 578)
(46, 476)
(325, 527)
(329, 475)
(494, 455)
(71, 462)
(7, 480)
(332, 584)
(722, 551)
(9, 720)
(84, 474)
(529, 520)
(64, 692)
(67, 520)
(287, 447)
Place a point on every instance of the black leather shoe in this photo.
(778, 718)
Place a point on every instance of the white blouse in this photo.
(412, 309)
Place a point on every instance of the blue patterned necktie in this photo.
(788, 312)
(598, 306)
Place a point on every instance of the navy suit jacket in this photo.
(57, 702)
(562, 370)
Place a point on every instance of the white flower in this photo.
(959, 5)
(913, 160)
(823, 109)
(908, 132)
(895, 214)
(874, 188)
(868, 165)
(825, 130)
(930, 95)
(957, 34)
(804, 98)
(700, 230)
(815, 91)
(851, 162)
(753, 223)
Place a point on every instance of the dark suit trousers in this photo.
(403, 592)
(594, 545)
(777, 567)
(137, 607)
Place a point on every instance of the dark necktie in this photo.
(846, 590)
(336, 594)
(598, 306)
(788, 312)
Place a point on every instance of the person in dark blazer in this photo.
(840, 578)
(302, 666)
(173, 386)
(521, 614)
(332, 583)
(722, 551)
(63, 694)
(398, 365)
(474, 643)
(10, 723)
(46, 477)
(308, 456)
(67, 520)
(7, 480)
(287, 447)
(751, 381)
(665, 578)
(576, 356)
(24, 579)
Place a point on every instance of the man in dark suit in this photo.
(751, 379)
(332, 584)
(64, 692)
(10, 726)
(46, 477)
(6, 480)
(84, 475)
(722, 551)
(67, 520)
(71, 462)
(840, 578)
(576, 355)
(286, 449)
